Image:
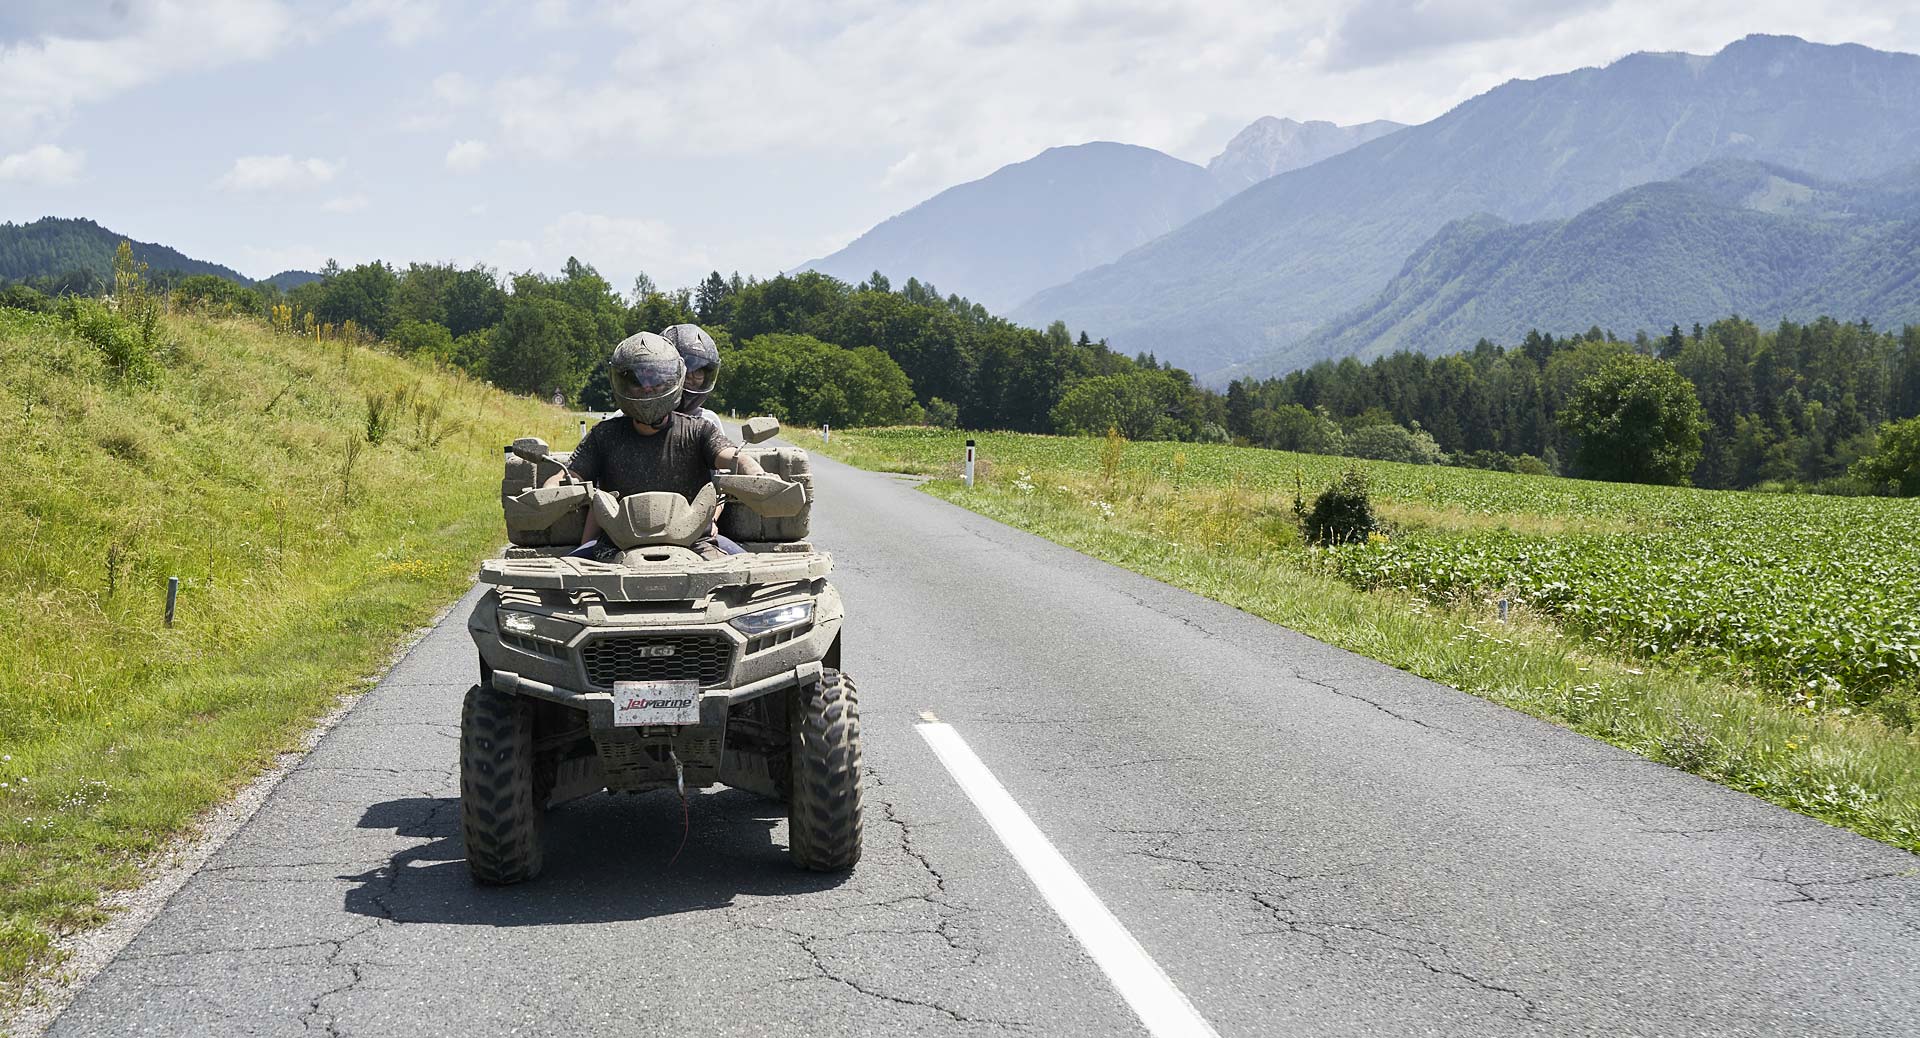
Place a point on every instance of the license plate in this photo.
(637, 703)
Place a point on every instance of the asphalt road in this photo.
(1306, 842)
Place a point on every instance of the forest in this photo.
(1795, 406)
(1823, 406)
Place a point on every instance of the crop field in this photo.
(1816, 596)
(1771, 642)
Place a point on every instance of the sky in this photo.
(751, 135)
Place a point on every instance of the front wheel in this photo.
(823, 816)
(500, 815)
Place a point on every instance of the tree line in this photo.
(1795, 406)
(806, 347)
(1730, 405)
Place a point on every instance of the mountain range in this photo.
(1728, 237)
(1271, 146)
(999, 239)
(1037, 223)
(1252, 279)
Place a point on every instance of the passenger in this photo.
(702, 357)
(651, 447)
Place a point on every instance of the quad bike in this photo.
(657, 668)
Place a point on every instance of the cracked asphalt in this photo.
(1306, 841)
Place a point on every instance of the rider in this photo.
(651, 446)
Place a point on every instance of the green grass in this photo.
(226, 470)
(1219, 521)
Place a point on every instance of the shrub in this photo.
(25, 297)
(942, 415)
(1342, 514)
(1394, 443)
(1528, 465)
(423, 339)
(129, 353)
(1894, 464)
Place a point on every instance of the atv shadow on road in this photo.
(608, 860)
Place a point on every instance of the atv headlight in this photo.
(773, 619)
(535, 626)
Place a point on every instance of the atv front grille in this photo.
(706, 658)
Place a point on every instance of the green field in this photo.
(224, 464)
(1770, 642)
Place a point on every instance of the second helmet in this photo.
(701, 355)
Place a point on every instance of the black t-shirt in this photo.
(622, 461)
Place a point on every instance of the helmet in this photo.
(647, 373)
(702, 357)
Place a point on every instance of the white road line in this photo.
(1133, 973)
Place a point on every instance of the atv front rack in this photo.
(680, 581)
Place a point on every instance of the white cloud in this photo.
(467, 156)
(618, 247)
(1374, 32)
(455, 89)
(42, 79)
(345, 203)
(551, 14)
(937, 94)
(277, 173)
(43, 164)
(406, 21)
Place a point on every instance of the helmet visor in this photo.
(700, 380)
(647, 379)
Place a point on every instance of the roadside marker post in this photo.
(583, 428)
(173, 593)
(969, 463)
(826, 432)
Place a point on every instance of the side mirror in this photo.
(534, 449)
(760, 430)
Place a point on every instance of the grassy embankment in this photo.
(224, 467)
(1766, 642)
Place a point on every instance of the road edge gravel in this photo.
(83, 954)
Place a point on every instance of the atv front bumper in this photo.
(714, 702)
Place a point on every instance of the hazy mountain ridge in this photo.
(999, 239)
(1257, 274)
(1270, 146)
(1730, 237)
(52, 247)
(288, 280)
